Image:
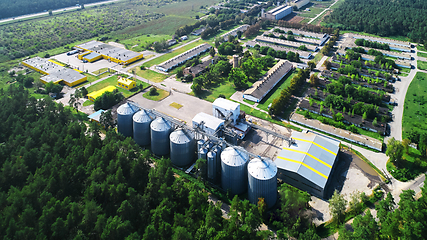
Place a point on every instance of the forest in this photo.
(22, 7)
(382, 17)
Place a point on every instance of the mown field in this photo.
(415, 108)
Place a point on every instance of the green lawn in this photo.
(150, 74)
(112, 81)
(138, 43)
(421, 54)
(318, 57)
(415, 108)
(318, 19)
(275, 92)
(100, 71)
(421, 47)
(168, 56)
(160, 95)
(87, 103)
(422, 65)
(314, 11)
(227, 89)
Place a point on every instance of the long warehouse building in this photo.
(54, 72)
(183, 57)
(285, 43)
(397, 45)
(313, 41)
(322, 36)
(303, 54)
(277, 13)
(264, 85)
(308, 162)
(109, 52)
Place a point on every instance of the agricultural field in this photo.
(415, 111)
(139, 43)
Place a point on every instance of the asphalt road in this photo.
(54, 11)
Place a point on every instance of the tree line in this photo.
(382, 17)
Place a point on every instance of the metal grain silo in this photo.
(124, 119)
(234, 174)
(200, 143)
(202, 153)
(262, 181)
(141, 127)
(160, 130)
(181, 147)
(212, 168)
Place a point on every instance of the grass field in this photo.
(415, 111)
(227, 89)
(421, 54)
(112, 81)
(149, 74)
(421, 65)
(339, 3)
(138, 43)
(88, 103)
(319, 18)
(160, 95)
(314, 11)
(275, 92)
(421, 48)
(168, 56)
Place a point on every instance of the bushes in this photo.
(107, 100)
(367, 43)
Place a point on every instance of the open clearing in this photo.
(415, 110)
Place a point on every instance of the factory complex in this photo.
(54, 72)
(95, 50)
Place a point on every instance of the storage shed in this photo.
(308, 162)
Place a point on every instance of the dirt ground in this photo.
(351, 174)
(293, 17)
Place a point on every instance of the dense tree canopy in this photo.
(382, 17)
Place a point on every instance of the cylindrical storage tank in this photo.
(200, 143)
(202, 153)
(262, 181)
(124, 119)
(211, 162)
(182, 149)
(160, 130)
(234, 174)
(217, 149)
(141, 127)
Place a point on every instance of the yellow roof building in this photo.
(94, 95)
(126, 83)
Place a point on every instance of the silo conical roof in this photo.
(262, 169)
(127, 108)
(234, 156)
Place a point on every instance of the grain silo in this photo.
(200, 144)
(211, 163)
(141, 127)
(181, 148)
(202, 153)
(160, 130)
(124, 119)
(234, 174)
(262, 181)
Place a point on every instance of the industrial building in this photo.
(111, 53)
(53, 72)
(94, 95)
(286, 43)
(322, 36)
(207, 123)
(199, 68)
(126, 83)
(302, 54)
(222, 108)
(96, 116)
(267, 82)
(89, 56)
(308, 162)
(234, 32)
(299, 3)
(277, 13)
(313, 41)
(183, 57)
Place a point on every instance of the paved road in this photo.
(399, 96)
(54, 11)
(320, 14)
